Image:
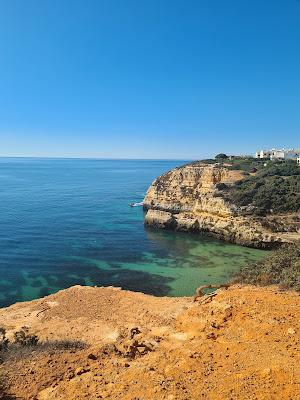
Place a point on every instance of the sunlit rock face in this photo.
(189, 198)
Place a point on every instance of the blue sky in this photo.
(148, 79)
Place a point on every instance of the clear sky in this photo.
(148, 79)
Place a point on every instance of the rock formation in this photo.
(189, 198)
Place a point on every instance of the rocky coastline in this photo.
(190, 198)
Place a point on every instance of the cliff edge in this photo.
(241, 343)
(195, 198)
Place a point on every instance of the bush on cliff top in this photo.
(25, 345)
(221, 156)
(276, 188)
(281, 267)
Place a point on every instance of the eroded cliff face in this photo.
(190, 198)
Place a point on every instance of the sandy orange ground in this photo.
(241, 344)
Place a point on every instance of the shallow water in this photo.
(66, 222)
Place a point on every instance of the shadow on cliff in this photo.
(6, 396)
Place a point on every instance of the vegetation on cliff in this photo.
(268, 186)
(25, 347)
(274, 189)
(24, 344)
(281, 267)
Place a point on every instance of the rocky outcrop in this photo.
(190, 198)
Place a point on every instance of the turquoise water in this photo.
(67, 222)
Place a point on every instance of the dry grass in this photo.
(26, 345)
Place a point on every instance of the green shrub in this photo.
(246, 164)
(221, 186)
(287, 168)
(276, 188)
(221, 156)
(281, 267)
(23, 338)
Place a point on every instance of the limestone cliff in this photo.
(189, 198)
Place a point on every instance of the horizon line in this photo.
(101, 158)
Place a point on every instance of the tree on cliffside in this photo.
(221, 156)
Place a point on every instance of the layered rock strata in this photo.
(190, 198)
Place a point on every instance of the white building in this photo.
(263, 154)
(278, 154)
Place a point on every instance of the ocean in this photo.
(66, 222)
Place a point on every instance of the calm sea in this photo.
(65, 222)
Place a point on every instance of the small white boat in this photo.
(136, 204)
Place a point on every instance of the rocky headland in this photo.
(194, 198)
(240, 342)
